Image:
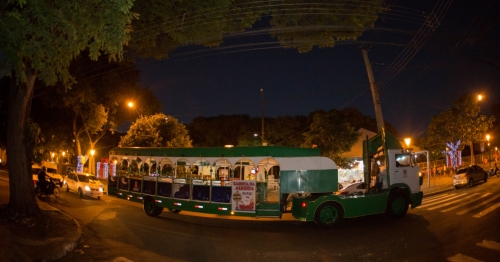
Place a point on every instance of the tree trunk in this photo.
(472, 159)
(76, 135)
(22, 194)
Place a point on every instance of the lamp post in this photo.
(262, 115)
(472, 159)
(92, 152)
(489, 152)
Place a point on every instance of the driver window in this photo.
(403, 160)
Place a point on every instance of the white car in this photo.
(84, 184)
(354, 188)
(52, 173)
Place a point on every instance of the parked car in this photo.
(469, 176)
(354, 188)
(52, 173)
(84, 184)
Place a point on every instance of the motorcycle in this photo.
(492, 173)
(52, 189)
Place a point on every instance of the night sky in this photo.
(420, 69)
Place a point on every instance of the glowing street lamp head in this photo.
(407, 141)
(488, 137)
(130, 104)
(92, 152)
(479, 97)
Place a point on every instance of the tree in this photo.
(296, 24)
(38, 40)
(332, 133)
(96, 103)
(321, 23)
(158, 130)
(462, 122)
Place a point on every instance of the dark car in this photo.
(469, 176)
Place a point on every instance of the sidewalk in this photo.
(437, 185)
(15, 248)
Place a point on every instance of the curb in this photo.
(64, 244)
(69, 242)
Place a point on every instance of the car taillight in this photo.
(466, 175)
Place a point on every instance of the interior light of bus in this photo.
(222, 208)
(198, 206)
(158, 201)
(303, 204)
(177, 204)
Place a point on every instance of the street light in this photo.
(131, 105)
(264, 143)
(407, 141)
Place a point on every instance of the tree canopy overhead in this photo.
(165, 25)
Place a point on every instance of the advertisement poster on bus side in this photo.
(243, 198)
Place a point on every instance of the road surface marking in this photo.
(479, 205)
(462, 258)
(486, 211)
(440, 201)
(452, 202)
(489, 244)
(465, 203)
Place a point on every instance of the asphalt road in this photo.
(441, 230)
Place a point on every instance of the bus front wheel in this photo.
(397, 205)
(150, 208)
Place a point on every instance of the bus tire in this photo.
(175, 211)
(150, 208)
(397, 205)
(328, 214)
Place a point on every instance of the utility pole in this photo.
(373, 86)
(262, 116)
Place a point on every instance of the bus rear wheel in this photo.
(328, 214)
(150, 208)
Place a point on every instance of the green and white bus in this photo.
(256, 181)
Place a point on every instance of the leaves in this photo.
(332, 133)
(158, 130)
(462, 122)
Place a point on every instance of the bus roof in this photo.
(273, 151)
